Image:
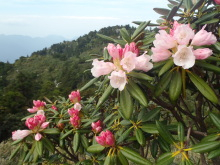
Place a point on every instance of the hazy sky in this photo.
(72, 18)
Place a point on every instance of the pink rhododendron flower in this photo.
(44, 125)
(143, 63)
(201, 54)
(20, 134)
(203, 38)
(75, 121)
(175, 25)
(160, 54)
(77, 106)
(106, 138)
(75, 97)
(118, 79)
(73, 112)
(164, 40)
(128, 62)
(97, 126)
(217, 2)
(131, 48)
(183, 34)
(115, 51)
(184, 57)
(54, 107)
(38, 136)
(101, 68)
(38, 105)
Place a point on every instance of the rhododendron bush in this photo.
(156, 99)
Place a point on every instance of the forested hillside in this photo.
(47, 73)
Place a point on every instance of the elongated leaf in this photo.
(166, 67)
(90, 83)
(188, 4)
(136, 92)
(150, 128)
(154, 148)
(215, 119)
(172, 13)
(164, 133)
(197, 5)
(206, 17)
(150, 115)
(134, 156)
(105, 96)
(16, 142)
(161, 11)
(125, 35)
(162, 84)
(84, 141)
(164, 146)
(214, 20)
(122, 158)
(140, 137)
(141, 76)
(210, 138)
(203, 87)
(208, 66)
(105, 37)
(175, 86)
(214, 153)
(165, 159)
(66, 134)
(124, 136)
(14, 152)
(39, 147)
(139, 29)
(48, 144)
(126, 104)
(95, 148)
(181, 132)
(76, 142)
(206, 147)
(51, 131)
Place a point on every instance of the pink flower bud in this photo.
(75, 96)
(39, 103)
(203, 38)
(202, 54)
(75, 121)
(54, 107)
(131, 48)
(44, 125)
(38, 136)
(106, 139)
(73, 112)
(20, 134)
(77, 106)
(114, 51)
(97, 126)
(35, 121)
(217, 2)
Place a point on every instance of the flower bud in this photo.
(75, 97)
(97, 126)
(106, 139)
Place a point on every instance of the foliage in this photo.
(170, 114)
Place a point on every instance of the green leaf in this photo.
(154, 148)
(84, 141)
(203, 87)
(125, 35)
(172, 13)
(164, 146)
(108, 160)
(122, 158)
(164, 133)
(66, 134)
(14, 152)
(215, 119)
(139, 29)
(166, 67)
(90, 83)
(197, 5)
(175, 86)
(95, 148)
(126, 104)
(214, 20)
(140, 137)
(165, 159)
(162, 84)
(180, 132)
(206, 17)
(141, 76)
(134, 156)
(151, 114)
(208, 66)
(16, 141)
(188, 4)
(162, 11)
(149, 128)
(205, 147)
(136, 92)
(124, 136)
(209, 138)
(105, 37)
(39, 147)
(76, 142)
(214, 153)
(51, 131)
(105, 96)
(48, 144)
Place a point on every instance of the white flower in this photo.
(128, 62)
(101, 68)
(77, 106)
(184, 57)
(20, 134)
(118, 79)
(143, 63)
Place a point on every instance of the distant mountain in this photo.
(14, 46)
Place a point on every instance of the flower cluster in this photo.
(75, 98)
(124, 60)
(97, 126)
(106, 138)
(180, 44)
(36, 124)
(38, 105)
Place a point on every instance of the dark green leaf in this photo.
(66, 134)
(95, 148)
(139, 29)
(150, 115)
(14, 152)
(51, 131)
(125, 35)
(162, 11)
(141, 76)
(166, 67)
(39, 147)
(84, 141)
(214, 153)
(206, 17)
(122, 158)
(140, 137)
(181, 132)
(164, 133)
(154, 148)
(76, 142)
(175, 86)
(215, 119)
(205, 147)
(208, 66)
(150, 128)
(165, 159)
(197, 5)
(105, 96)
(90, 83)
